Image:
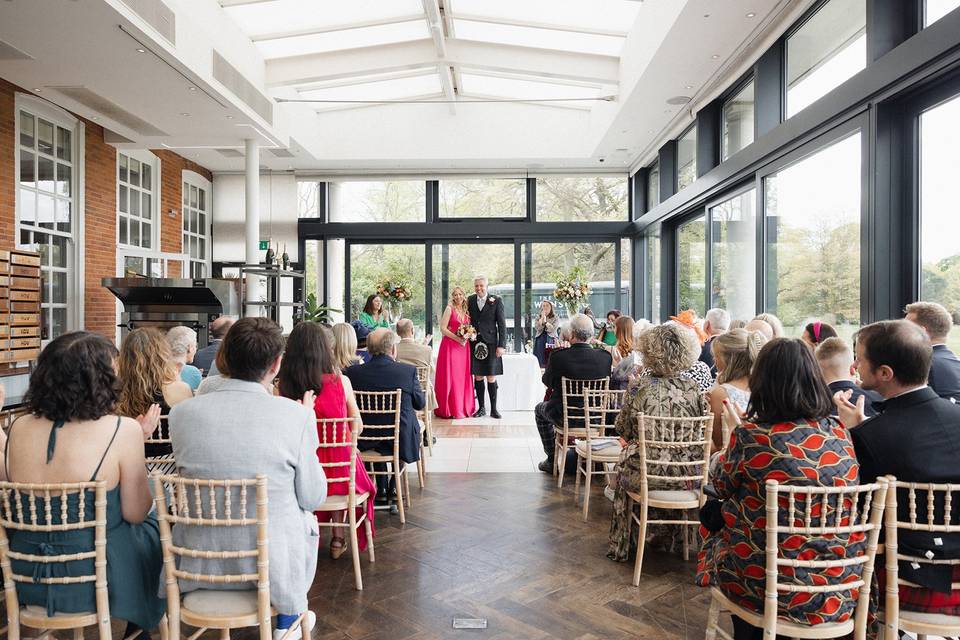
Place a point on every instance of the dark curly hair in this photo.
(74, 379)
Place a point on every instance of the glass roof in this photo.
(521, 88)
(608, 15)
(344, 39)
(537, 37)
(285, 16)
(390, 89)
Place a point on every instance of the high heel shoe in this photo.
(337, 547)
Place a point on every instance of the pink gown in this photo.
(454, 384)
(331, 402)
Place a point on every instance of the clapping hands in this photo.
(851, 415)
(149, 421)
(308, 399)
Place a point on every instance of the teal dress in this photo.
(134, 558)
(368, 321)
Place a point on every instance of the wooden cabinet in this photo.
(19, 306)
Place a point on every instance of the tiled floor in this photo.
(485, 445)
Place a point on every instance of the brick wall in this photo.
(100, 215)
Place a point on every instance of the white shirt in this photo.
(480, 303)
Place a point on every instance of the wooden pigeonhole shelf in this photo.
(19, 306)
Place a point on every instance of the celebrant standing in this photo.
(486, 362)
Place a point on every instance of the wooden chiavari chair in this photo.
(574, 418)
(423, 375)
(384, 403)
(158, 449)
(600, 407)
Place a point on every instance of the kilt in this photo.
(489, 366)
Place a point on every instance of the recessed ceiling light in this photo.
(229, 117)
(623, 131)
(37, 90)
(191, 88)
(689, 86)
(715, 56)
(185, 114)
(141, 50)
(706, 15)
(751, 15)
(678, 100)
(94, 118)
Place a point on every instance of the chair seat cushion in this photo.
(667, 495)
(940, 619)
(212, 602)
(41, 612)
(784, 627)
(610, 453)
(339, 503)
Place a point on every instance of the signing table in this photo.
(520, 388)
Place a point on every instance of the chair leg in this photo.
(429, 427)
(78, 632)
(368, 530)
(406, 485)
(225, 634)
(576, 482)
(586, 491)
(421, 473)
(354, 551)
(398, 479)
(686, 541)
(556, 458)
(641, 540)
(562, 464)
(164, 628)
(713, 620)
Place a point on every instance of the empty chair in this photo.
(378, 439)
(574, 420)
(600, 408)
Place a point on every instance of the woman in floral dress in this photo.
(788, 436)
(666, 351)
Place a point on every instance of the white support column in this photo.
(252, 222)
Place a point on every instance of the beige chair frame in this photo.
(872, 498)
(701, 425)
(921, 624)
(598, 405)
(423, 375)
(13, 517)
(164, 464)
(185, 507)
(345, 432)
(571, 388)
(385, 403)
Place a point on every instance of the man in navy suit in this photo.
(945, 366)
(383, 373)
(486, 355)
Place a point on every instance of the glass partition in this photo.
(377, 201)
(733, 257)
(738, 123)
(372, 265)
(691, 266)
(687, 158)
(483, 198)
(600, 198)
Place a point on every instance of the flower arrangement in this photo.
(467, 331)
(394, 294)
(572, 290)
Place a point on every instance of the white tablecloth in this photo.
(519, 388)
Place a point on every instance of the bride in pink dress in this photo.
(454, 384)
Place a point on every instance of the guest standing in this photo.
(373, 314)
(345, 346)
(72, 434)
(735, 353)
(454, 385)
(945, 366)
(205, 359)
(308, 366)
(236, 428)
(183, 347)
(545, 329)
(667, 351)
(789, 406)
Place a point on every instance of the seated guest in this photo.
(661, 390)
(183, 347)
(237, 429)
(345, 346)
(945, 366)
(699, 372)
(774, 323)
(608, 330)
(738, 324)
(816, 332)
(361, 331)
(735, 351)
(205, 359)
(384, 373)
(915, 437)
(579, 362)
(71, 433)
(623, 330)
(373, 314)
(789, 404)
(625, 356)
(308, 366)
(409, 351)
(545, 328)
(760, 325)
(836, 363)
(715, 322)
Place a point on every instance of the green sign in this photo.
(264, 245)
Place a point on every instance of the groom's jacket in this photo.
(490, 324)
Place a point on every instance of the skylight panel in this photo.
(392, 89)
(516, 88)
(286, 16)
(344, 39)
(538, 37)
(601, 15)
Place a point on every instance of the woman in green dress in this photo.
(71, 434)
(373, 314)
(608, 332)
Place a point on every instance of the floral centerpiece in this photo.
(467, 331)
(394, 294)
(572, 290)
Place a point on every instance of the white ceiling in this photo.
(515, 84)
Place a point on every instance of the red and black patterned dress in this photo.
(795, 453)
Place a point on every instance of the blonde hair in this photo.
(668, 349)
(834, 354)
(738, 349)
(344, 346)
(774, 323)
(145, 366)
(463, 305)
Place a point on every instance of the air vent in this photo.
(157, 15)
(10, 52)
(230, 153)
(108, 109)
(281, 153)
(231, 78)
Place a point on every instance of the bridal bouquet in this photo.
(572, 290)
(467, 331)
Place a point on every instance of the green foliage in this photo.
(313, 312)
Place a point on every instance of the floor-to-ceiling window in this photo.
(687, 158)
(692, 265)
(196, 223)
(456, 264)
(733, 258)
(376, 265)
(653, 185)
(933, 10)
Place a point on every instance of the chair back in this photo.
(601, 408)
(380, 403)
(219, 504)
(674, 452)
(818, 512)
(162, 463)
(55, 509)
(423, 377)
(340, 433)
(923, 507)
(573, 390)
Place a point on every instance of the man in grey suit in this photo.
(236, 428)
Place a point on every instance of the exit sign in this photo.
(264, 245)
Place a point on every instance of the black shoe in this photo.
(427, 443)
(479, 413)
(546, 466)
(495, 414)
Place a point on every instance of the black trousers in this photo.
(545, 416)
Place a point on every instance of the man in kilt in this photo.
(486, 354)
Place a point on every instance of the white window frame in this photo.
(75, 268)
(144, 157)
(194, 179)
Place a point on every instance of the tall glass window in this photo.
(308, 198)
(483, 198)
(933, 10)
(813, 232)
(737, 122)
(733, 257)
(692, 265)
(457, 264)
(196, 225)
(653, 273)
(687, 158)
(377, 201)
(372, 265)
(600, 198)
(137, 190)
(653, 185)
(828, 49)
(939, 168)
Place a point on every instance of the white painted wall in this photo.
(278, 214)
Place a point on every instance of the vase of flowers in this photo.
(572, 290)
(394, 294)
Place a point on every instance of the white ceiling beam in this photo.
(446, 81)
(431, 8)
(540, 25)
(333, 65)
(377, 22)
(239, 3)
